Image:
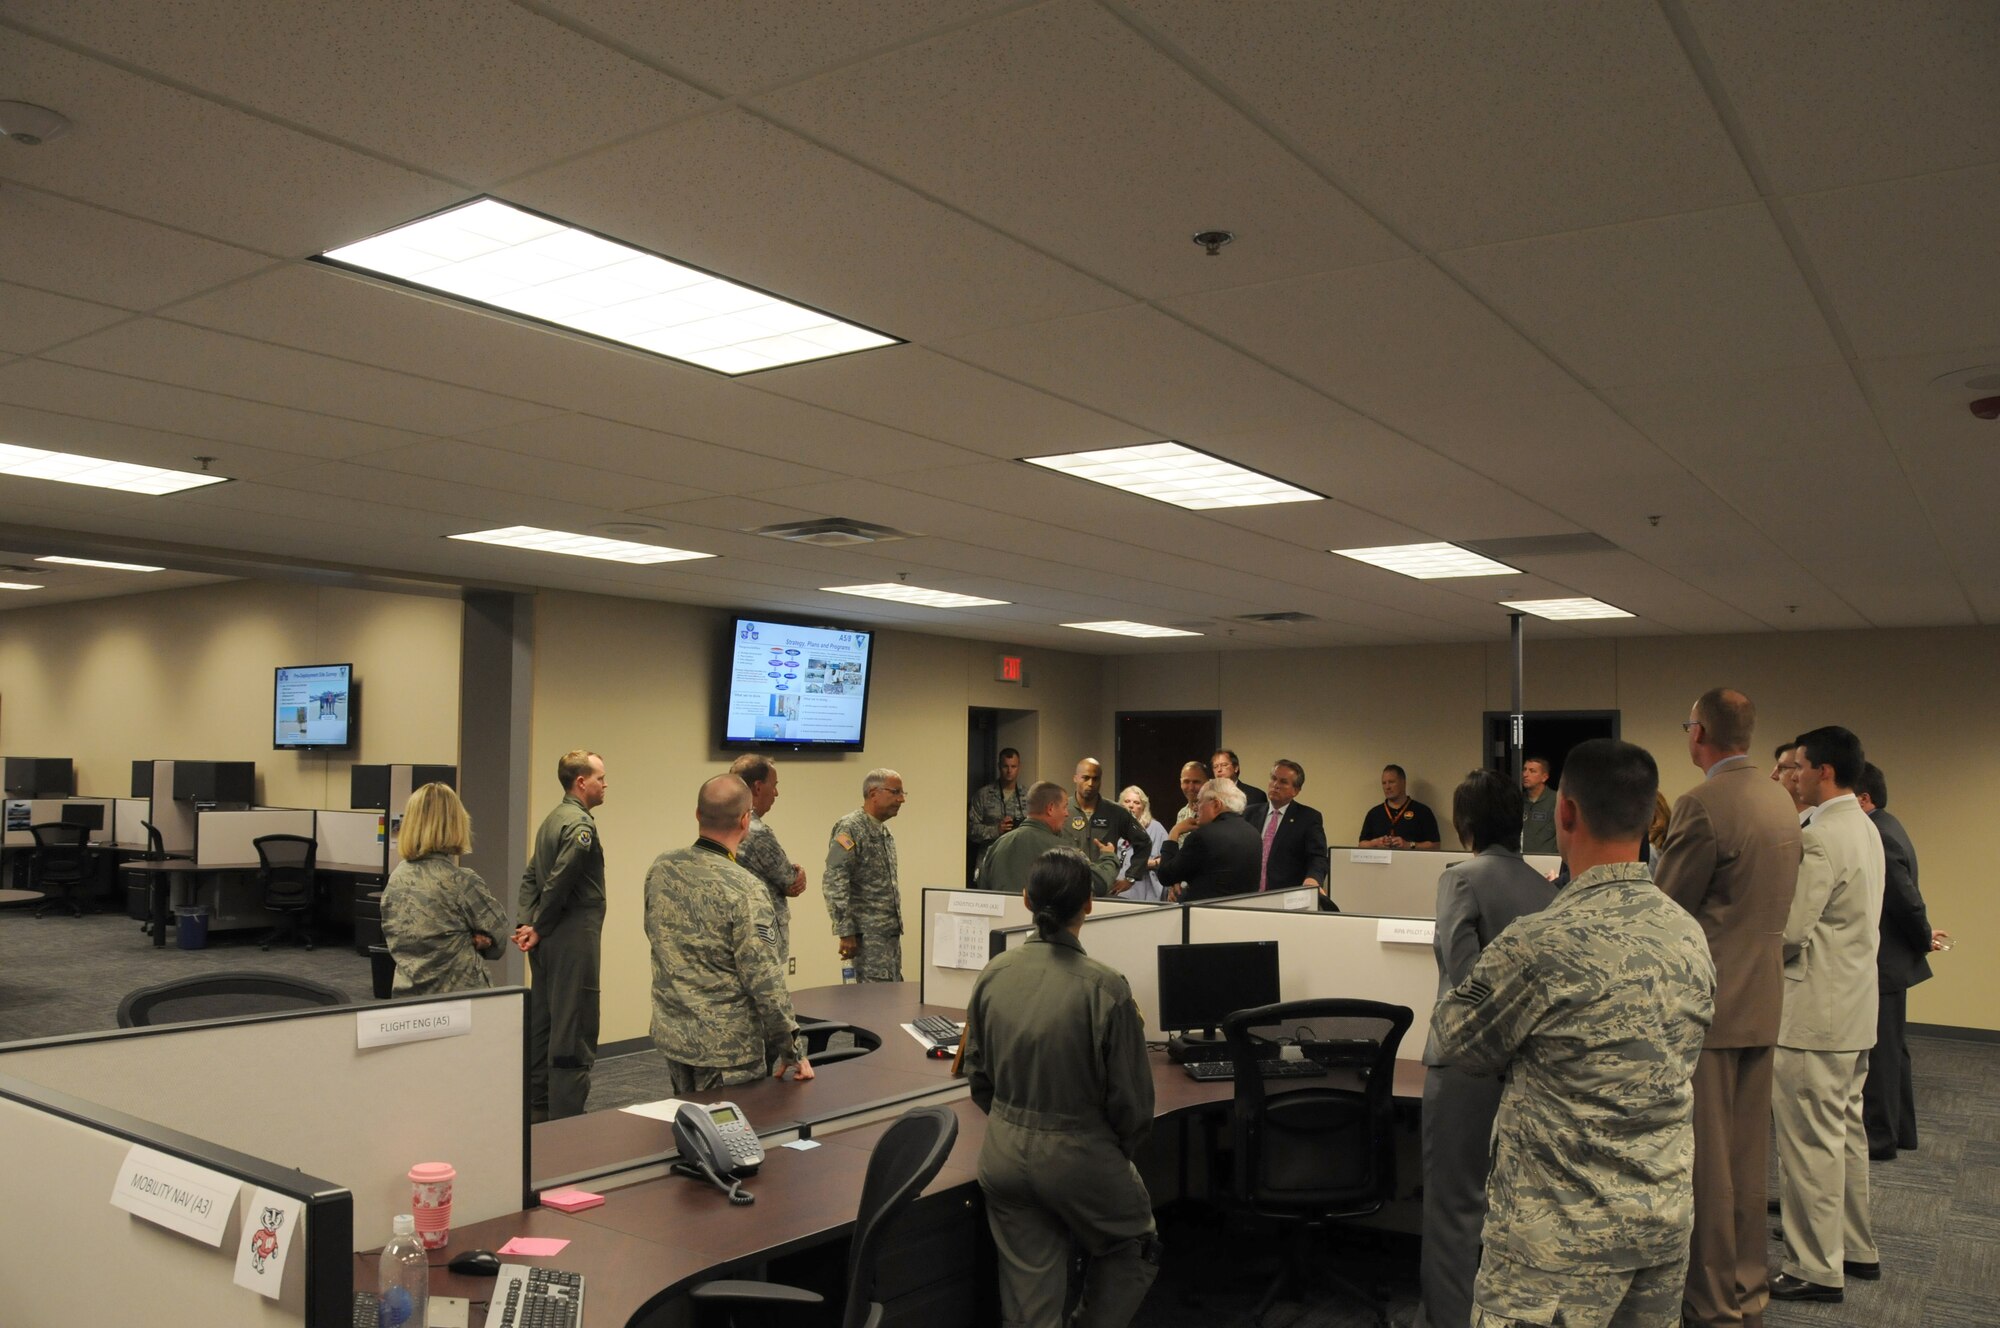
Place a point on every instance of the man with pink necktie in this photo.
(1293, 834)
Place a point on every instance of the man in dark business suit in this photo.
(1888, 1098)
(1731, 858)
(1221, 856)
(1292, 835)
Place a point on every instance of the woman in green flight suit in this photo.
(1056, 1054)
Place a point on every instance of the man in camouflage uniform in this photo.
(561, 929)
(999, 807)
(762, 854)
(862, 897)
(1595, 1008)
(721, 1013)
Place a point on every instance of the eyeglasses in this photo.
(1689, 725)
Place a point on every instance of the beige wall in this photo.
(635, 681)
(186, 674)
(1926, 704)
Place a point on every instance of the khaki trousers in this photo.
(1728, 1281)
(1822, 1163)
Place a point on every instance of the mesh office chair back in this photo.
(156, 847)
(61, 864)
(287, 876)
(903, 1161)
(222, 995)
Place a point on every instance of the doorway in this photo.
(1152, 747)
(1549, 734)
(988, 732)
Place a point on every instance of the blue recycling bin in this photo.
(191, 927)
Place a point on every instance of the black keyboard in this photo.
(1207, 1070)
(937, 1030)
(525, 1297)
(365, 1313)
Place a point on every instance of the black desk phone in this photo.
(716, 1142)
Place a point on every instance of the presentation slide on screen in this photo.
(796, 684)
(312, 706)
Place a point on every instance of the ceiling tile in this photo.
(1911, 264)
(259, 371)
(738, 196)
(62, 245)
(570, 479)
(37, 320)
(1465, 122)
(171, 157)
(1651, 300)
(65, 390)
(607, 445)
(504, 102)
(126, 442)
(1841, 92)
(998, 118)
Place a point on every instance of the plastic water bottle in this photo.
(847, 971)
(403, 1287)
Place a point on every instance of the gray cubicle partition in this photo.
(946, 910)
(1398, 883)
(297, 1085)
(68, 1256)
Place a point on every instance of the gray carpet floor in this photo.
(1936, 1211)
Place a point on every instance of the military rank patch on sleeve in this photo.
(1474, 992)
(767, 933)
(845, 840)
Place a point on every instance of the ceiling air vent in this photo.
(1290, 616)
(833, 532)
(1539, 546)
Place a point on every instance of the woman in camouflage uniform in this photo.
(439, 919)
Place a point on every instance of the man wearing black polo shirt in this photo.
(1400, 821)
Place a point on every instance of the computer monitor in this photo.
(89, 815)
(1200, 984)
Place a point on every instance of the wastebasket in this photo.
(191, 927)
(382, 969)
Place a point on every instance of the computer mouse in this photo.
(476, 1263)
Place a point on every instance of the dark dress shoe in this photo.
(1770, 1205)
(1786, 1287)
(1867, 1272)
(1887, 1154)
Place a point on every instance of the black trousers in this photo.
(1888, 1096)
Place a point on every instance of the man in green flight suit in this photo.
(561, 928)
(721, 1013)
(1015, 853)
(862, 896)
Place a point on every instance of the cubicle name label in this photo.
(989, 905)
(176, 1194)
(412, 1023)
(1379, 856)
(1405, 931)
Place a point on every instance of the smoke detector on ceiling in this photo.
(31, 125)
(833, 532)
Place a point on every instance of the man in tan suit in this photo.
(1731, 858)
(1829, 1026)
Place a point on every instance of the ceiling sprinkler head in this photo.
(1213, 241)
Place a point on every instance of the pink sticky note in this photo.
(571, 1201)
(535, 1247)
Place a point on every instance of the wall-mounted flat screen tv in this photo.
(791, 686)
(315, 706)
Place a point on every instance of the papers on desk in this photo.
(958, 941)
(533, 1247)
(664, 1109)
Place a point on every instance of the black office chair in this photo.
(1324, 1152)
(62, 866)
(286, 873)
(220, 995)
(903, 1162)
(156, 847)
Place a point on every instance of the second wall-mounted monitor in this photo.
(796, 686)
(315, 706)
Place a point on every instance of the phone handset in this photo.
(716, 1141)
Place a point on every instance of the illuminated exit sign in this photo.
(1007, 668)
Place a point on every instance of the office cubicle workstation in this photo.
(1399, 882)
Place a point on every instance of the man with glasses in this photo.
(862, 897)
(1222, 856)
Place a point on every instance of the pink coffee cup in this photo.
(430, 1200)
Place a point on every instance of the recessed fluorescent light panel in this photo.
(1119, 627)
(505, 257)
(17, 585)
(902, 594)
(94, 562)
(1178, 474)
(579, 546)
(1428, 562)
(1566, 609)
(32, 463)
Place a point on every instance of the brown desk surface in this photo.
(651, 1239)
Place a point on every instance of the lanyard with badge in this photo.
(1396, 818)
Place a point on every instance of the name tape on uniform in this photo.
(1405, 931)
(412, 1023)
(175, 1193)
